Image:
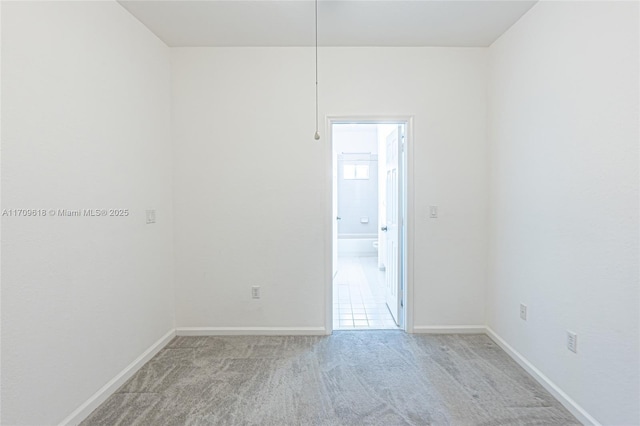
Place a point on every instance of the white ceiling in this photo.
(341, 22)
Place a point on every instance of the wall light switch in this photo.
(433, 212)
(151, 216)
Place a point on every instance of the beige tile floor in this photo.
(359, 297)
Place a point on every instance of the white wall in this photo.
(358, 138)
(0, 220)
(251, 184)
(564, 199)
(86, 116)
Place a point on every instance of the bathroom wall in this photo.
(357, 145)
(357, 198)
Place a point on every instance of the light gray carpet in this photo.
(350, 378)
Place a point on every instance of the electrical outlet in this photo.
(572, 341)
(255, 292)
(523, 312)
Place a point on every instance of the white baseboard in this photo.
(250, 331)
(575, 409)
(450, 329)
(107, 390)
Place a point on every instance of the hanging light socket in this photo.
(316, 136)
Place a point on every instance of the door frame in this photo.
(407, 234)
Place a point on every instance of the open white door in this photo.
(393, 223)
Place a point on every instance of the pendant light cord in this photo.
(317, 134)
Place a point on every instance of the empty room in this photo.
(332, 212)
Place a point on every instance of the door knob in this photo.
(338, 218)
(384, 228)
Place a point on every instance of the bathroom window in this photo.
(356, 171)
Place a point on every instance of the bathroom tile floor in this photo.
(359, 295)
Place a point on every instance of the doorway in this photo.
(369, 160)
